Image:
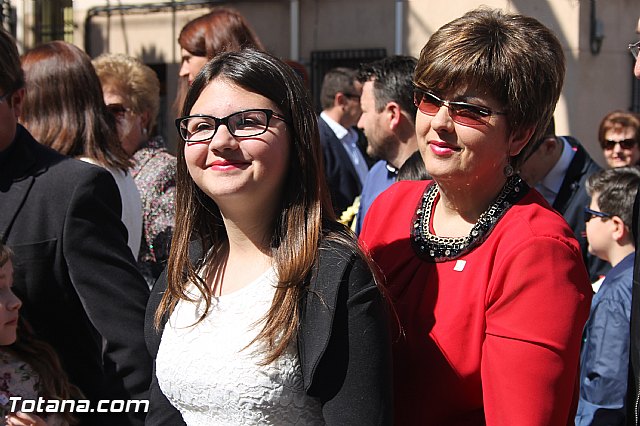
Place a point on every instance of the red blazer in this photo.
(493, 336)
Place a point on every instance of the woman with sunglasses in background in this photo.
(619, 134)
(64, 110)
(268, 312)
(487, 280)
(132, 94)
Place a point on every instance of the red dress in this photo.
(492, 336)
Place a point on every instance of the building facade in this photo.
(319, 34)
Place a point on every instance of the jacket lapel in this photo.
(571, 182)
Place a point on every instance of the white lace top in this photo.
(208, 375)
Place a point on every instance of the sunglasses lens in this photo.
(468, 115)
(628, 143)
(426, 103)
(624, 144)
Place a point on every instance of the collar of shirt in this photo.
(553, 180)
(337, 128)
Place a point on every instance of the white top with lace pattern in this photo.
(208, 373)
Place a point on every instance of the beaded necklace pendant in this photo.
(433, 248)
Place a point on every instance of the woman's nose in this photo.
(442, 119)
(223, 139)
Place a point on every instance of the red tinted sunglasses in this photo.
(460, 112)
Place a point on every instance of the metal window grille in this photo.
(53, 20)
(324, 60)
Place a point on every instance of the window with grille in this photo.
(53, 20)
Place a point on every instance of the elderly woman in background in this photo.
(619, 135)
(222, 30)
(487, 280)
(269, 312)
(132, 94)
(63, 109)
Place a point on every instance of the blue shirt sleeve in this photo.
(604, 365)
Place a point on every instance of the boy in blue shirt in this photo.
(605, 348)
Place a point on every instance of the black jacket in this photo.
(343, 343)
(572, 199)
(73, 270)
(633, 388)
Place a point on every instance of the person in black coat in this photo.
(633, 391)
(266, 299)
(74, 271)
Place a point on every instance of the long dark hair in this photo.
(305, 215)
(64, 108)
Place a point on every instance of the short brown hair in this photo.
(621, 120)
(336, 80)
(616, 189)
(514, 57)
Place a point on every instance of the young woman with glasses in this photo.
(487, 280)
(268, 312)
(619, 134)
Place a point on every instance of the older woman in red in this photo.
(487, 280)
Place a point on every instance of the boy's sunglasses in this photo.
(460, 112)
(590, 214)
(624, 144)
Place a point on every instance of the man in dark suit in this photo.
(345, 161)
(633, 390)
(74, 272)
(558, 167)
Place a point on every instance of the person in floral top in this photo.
(132, 93)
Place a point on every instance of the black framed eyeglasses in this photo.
(243, 124)
(634, 48)
(590, 214)
(461, 112)
(624, 144)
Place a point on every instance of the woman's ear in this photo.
(144, 120)
(519, 139)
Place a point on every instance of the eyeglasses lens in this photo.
(460, 112)
(248, 123)
(624, 144)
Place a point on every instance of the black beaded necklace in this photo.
(433, 248)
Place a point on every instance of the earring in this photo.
(508, 170)
(144, 131)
